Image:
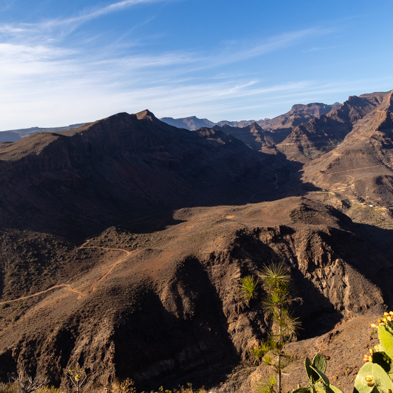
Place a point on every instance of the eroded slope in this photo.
(169, 312)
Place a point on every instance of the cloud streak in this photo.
(58, 85)
(67, 25)
(95, 13)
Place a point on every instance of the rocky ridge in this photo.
(170, 313)
(109, 260)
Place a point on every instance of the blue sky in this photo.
(74, 61)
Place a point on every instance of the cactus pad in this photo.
(301, 390)
(312, 375)
(383, 360)
(335, 389)
(380, 381)
(320, 362)
(385, 337)
(321, 375)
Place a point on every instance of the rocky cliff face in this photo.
(360, 167)
(323, 133)
(169, 309)
(297, 115)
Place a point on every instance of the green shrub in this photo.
(248, 289)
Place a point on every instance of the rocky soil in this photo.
(170, 312)
(123, 243)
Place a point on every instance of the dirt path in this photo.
(68, 286)
(105, 276)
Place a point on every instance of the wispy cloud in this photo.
(95, 13)
(53, 81)
(67, 25)
(317, 49)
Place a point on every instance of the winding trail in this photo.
(68, 286)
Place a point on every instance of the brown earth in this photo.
(169, 312)
(119, 254)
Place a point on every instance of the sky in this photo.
(76, 61)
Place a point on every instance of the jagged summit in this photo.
(146, 114)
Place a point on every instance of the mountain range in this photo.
(123, 243)
(15, 135)
(298, 114)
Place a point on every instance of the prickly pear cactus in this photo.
(318, 381)
(320, 362)
(321, 387)
(372, 377)
(383, 353)
(383, 360)
(321, 376)
(385, 336)
(312, 375)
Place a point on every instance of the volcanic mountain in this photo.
(298, 114)
(264, 135)
(15, 135)
(124, 242)
(321, 134)
(361, 167)
(256, 137)
(123, 168)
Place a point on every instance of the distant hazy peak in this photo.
(191, 123)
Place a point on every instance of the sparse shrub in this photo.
(26, 383)
(127, 386)
(12, 387)
(77, 377)
(248, 289)
(259, 350)
(266, 386)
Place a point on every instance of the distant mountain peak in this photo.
(146, 114)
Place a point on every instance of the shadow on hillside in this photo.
(78, 211)
(154, 223)
(369, 250)
(177, 337)
(314, 310)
